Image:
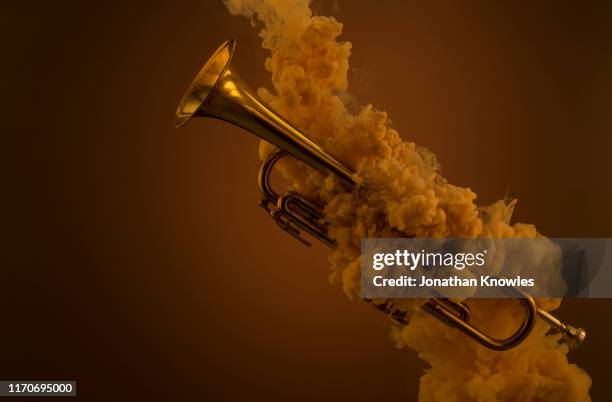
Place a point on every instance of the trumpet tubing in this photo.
(219, 92)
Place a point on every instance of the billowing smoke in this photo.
(403, 195)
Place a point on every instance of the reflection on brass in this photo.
(217, 91)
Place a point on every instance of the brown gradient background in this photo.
(136, 261)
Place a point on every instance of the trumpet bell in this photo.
(219, 92)
(204, 83)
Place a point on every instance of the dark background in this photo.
(135, 259)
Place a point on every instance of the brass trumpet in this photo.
(218, 91)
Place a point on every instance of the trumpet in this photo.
(218, 92)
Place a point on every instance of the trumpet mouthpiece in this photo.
(574, 336)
